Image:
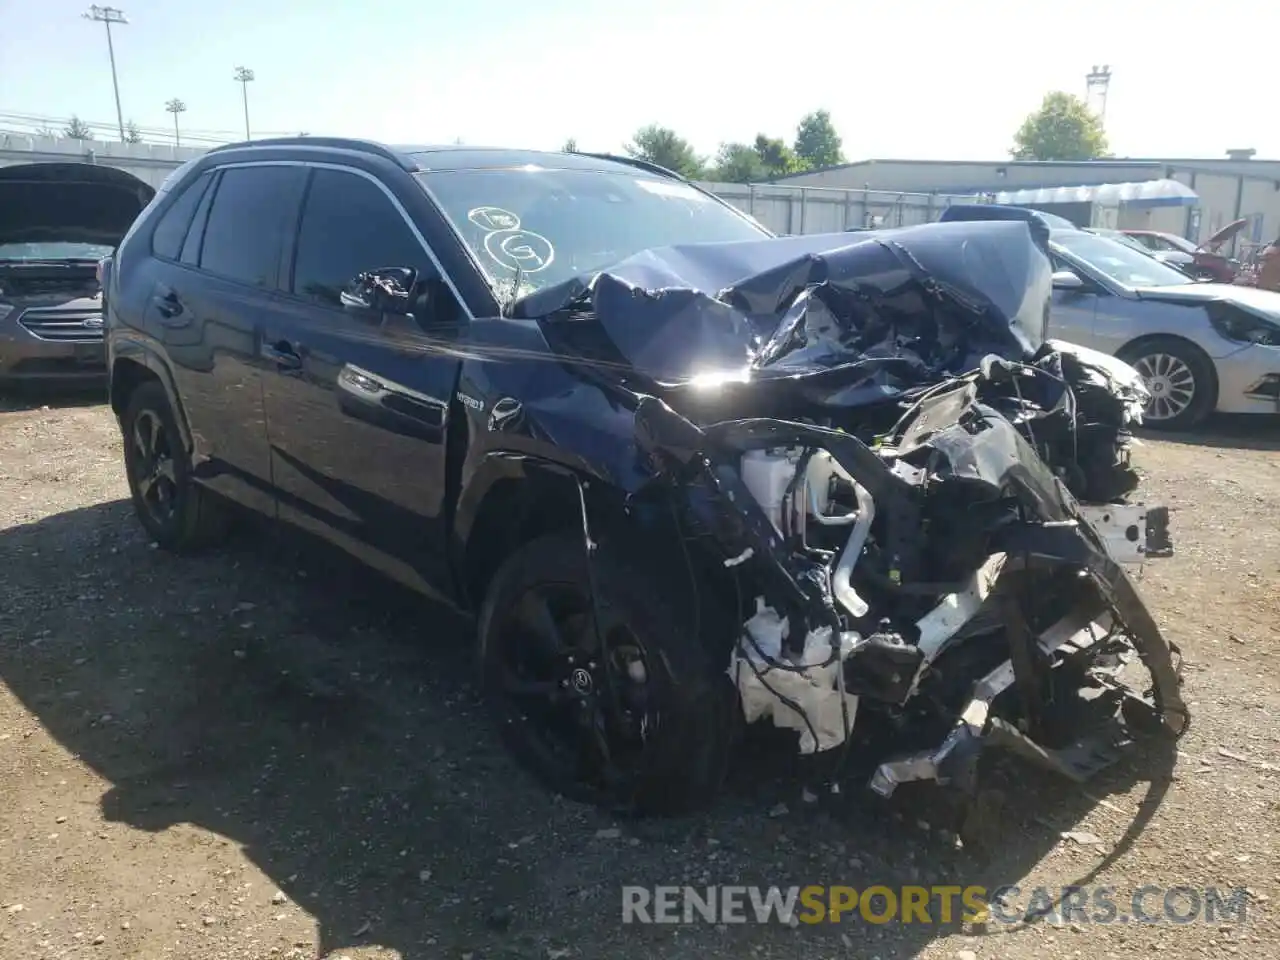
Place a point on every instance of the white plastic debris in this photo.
(800, 695)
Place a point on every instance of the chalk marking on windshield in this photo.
(493, 218)
(524, 250)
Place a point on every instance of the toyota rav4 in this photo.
(682, 472)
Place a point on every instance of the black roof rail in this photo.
(638, 162)
(336, 143)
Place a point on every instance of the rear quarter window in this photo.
(171, 228)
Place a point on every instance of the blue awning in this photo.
(1141, 193)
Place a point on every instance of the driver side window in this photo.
(349, 226)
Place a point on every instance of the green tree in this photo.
(131, 133)
(817, 142)
(737, 163)
(664, 147)
(1062, 129)
(570, 146)
(777, 158)
(77, 129)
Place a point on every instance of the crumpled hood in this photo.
(924, 300)
(68, 203)
(1265, 303)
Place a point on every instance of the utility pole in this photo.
(175, 106)
(107, 16)
(243, 76)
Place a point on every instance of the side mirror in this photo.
(386, 291)
(1067, 280)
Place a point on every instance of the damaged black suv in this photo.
(682, 472)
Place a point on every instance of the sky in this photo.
(915, 79)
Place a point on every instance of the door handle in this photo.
(285, 355)
(167, 303)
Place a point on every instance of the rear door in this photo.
(357, 412)
(217, 283)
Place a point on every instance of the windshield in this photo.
(1123, 264)
(1124, 238)
(556, 224)
(53, 251)
(1182, 243)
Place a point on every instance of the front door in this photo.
(1072, 312)
(357, 410)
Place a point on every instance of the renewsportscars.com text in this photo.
(942, 904)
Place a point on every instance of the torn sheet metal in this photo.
(878, 446)
(904, 304)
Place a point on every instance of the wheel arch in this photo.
(512, 499)
(133, 364)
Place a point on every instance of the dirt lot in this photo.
(268, 753)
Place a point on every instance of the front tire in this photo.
(1181, 379)
(634, 717)
(176, 512)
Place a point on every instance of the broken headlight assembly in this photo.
(1240, 326)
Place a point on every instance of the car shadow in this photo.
(1223, 431)
(323, 721)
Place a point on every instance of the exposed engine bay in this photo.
(920, 499)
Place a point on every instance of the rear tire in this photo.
(176, 512)
(667, 738)
(1181, 378)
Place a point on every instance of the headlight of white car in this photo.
(1241, 326)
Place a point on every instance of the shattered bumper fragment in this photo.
(920, 504)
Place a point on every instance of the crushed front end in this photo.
(918, 500)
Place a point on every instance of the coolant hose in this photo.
(840, 585)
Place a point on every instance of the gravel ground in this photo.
(267, 752)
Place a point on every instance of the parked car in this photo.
(1201, 261)
(57, 222)
(1181, 261)
(1200, 347)
(681, 471)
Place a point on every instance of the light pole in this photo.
(1097, 82)
(107, 16)
(243, 76)
(175, 106)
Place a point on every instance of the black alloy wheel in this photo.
(177, 513)
(154, 475)
(582, 697)
(599, 687)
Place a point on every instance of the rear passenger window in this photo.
(246, 224)
(167, 238)
(349, 226)
(191, 246)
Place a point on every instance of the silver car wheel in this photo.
(1171, 382)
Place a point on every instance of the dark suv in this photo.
(674, 465)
